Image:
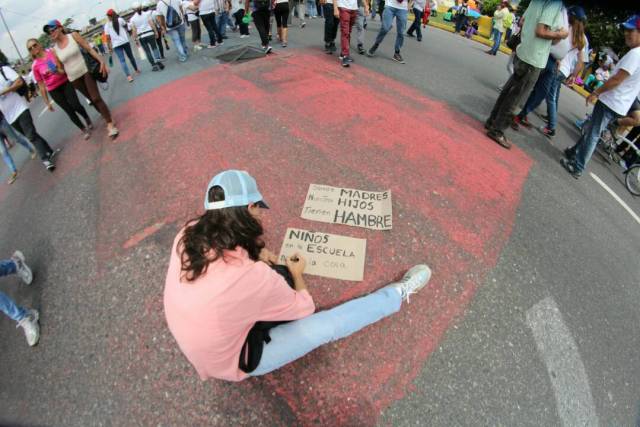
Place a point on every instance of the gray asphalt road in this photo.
(550, 338)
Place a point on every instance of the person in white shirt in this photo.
(347, 12)
(397, 9)
(208, 15)
(238, 13)
(193, 19)
(118, 41)
(145, 32)
(499, 17)
(418, 11)
(171, 19)
(614, 99)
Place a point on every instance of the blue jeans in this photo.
(547, 87)
(293, 340)
(177, 35)
(586, 145)
(497, 37)
(15, 136)
(387, 20)
(7, 305)
(120, 51)
(312, 10)
(222, 20)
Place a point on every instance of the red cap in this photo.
(110, 12)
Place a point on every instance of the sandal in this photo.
(130, 79)
(113, 132)
(499, 138)
(12, 178)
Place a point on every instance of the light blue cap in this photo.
(240, 189)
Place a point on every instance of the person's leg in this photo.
(518, 85)
(175, 37)
(59, 96)
(89, 88)
(160, 46)
(6, 156)
(260, 19)
(345, 18)
(119, 50)
(285, 24)
(301, 12)
(552, 100)
(129, 52)
(195, 32)
(540, 89)
(600, 119)
(360, 29)
(208, 21)
(146, 45)
(182, 29)
(221, 24)
(401, 24)
(387, 21)
(496, 36)
(293, 340)
(418, 22)
(24, 124)
(328, 24)
(11, 309)
(15, 136)
(74, 101)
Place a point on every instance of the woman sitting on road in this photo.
(52, 80)
(224, 291)
(67, 50)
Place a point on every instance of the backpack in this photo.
(173, 16)
(22, 90)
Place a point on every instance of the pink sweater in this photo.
(211, 317)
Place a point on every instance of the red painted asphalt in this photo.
(292, 121)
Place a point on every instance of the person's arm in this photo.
(544, 32)
(134, 34)
(163, 23)
(154, 27)
(296, 264)
(246, 8)
(578, 69)
(336, 12)
(83, 44)
(17, 84)
(45, 95)
(610, 84)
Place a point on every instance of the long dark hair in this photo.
(206, 237)
(577, 32)
(115, 22)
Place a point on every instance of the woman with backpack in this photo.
(234, 311)
(52, 80)
(116, 29)
(67, 49)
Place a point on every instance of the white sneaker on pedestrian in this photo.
(412, 281)
(31, 327)
(22, 269)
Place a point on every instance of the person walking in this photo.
(331, 23)
(612, 100)
(27, 318)
(208, 15)
(542, 25)
(118, 41)
(361, 24)
(461, 16)
(281, 13)
(225, 293)
(238, 14)
(558, 69)
(300, 10)
(347, 12)
(222, 17)
(52, 80)
(15, 109)
(499, 17)
(8, 132)
(171, 18)
(418, 11)
(392, 9)
(193, 19)
(67, 49)
(144, 31)
(261, 11)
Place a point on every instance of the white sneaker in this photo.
(31, 327)
(23, 270)
(413, 280)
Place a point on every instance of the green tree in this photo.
(44, 40)
(67, 22)
(490, 6)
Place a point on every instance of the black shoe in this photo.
(361, 50)
(410, 35)
(398, 58)
(372, 51)
(571, 168)
(53, 154)
(570, 153)
(345, 61)
(155, 68)
(327, 49)
(48, 164)
(267, 50)
(419, 39)
(161, 65)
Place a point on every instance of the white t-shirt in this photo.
(620, 98)
(207, 7)
(398, 5)
(570, 61)
(161, 7)
(117, 39)
(141, 22)
(11, 104)
(191, 13)
(349, 4)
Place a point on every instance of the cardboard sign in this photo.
(327, 255)
(358, 208)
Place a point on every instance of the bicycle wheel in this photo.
(632, 179)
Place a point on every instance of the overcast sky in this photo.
(25, 18)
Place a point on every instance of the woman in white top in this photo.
(144, 31)
(67, 50)
(193, 19)
(118, 41)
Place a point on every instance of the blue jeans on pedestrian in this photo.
(7, 305)
(120, 52)
(312, 9)
(586, 145)
(291, 341)
(547, 88)
(222, 19)
(7, 130)
(497, 38)
(179, 41)
(387, 21)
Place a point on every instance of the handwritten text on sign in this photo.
(367, 209)
(327, 255)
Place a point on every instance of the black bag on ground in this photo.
(251, 352)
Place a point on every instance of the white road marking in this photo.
(615, 196)
(564, 365)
